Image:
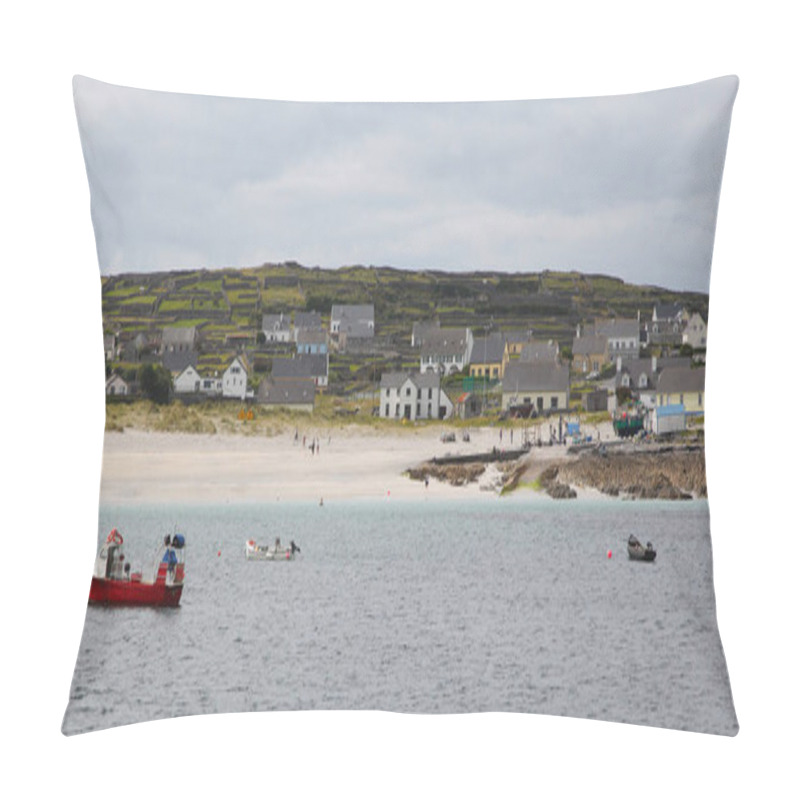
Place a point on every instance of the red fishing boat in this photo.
(113, 584)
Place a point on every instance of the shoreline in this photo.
(155, 468)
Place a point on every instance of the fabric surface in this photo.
(326, 323)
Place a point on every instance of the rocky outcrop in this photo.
(495, 477)
(661, 473)
(666, 474)
(455, 474)
(558, 490)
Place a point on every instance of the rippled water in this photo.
(430, 608)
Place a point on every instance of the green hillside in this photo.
(225, 304)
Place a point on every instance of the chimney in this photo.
(619, 363)
(654, 364)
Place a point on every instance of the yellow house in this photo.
(488, 359)
(682, 385)
(589, 353)
(515, 341)
(544, 387)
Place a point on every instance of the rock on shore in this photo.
(665, 473)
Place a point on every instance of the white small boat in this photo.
(276, 552)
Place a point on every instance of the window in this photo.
(554, 402)
(430, 393)
(386, 413)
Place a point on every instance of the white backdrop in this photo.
(53, 388)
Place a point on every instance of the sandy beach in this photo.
(151, 467)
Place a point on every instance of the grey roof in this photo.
(421, 330)
(539, 351)
(393, 380)
(446, 341)
(311, 336)
(667, 310)
(174, 335)
(355, 321)
(635, 367)
(426, 380)
(518, 337)
(301, 366)
(355, 313)
(589, 345)
(682, 379)
(422, 380)
(488, 349)
(356, 329)
(274, 322)
(177, 361)
(307, 320)
(617, 328)
(530, 376)
(297, 391)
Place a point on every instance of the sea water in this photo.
(430, 607)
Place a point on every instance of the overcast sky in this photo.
(626, 186)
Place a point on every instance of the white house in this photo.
(356, 321)
(622, 335)
(695, 333)
(188, 381)
(413, 396)
(276, 328)
(234, 380)
(667, 324)
(116, 386)
(446, 351)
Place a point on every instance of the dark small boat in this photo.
(638, 552)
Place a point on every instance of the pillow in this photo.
(382, 383)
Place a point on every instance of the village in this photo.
(215, 342)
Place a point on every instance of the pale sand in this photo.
(148, 467)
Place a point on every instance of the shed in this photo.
(669, 419)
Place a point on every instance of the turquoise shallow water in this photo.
(424, 608)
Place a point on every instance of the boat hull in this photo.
(134, 593)
(271, 555)
(641, 554)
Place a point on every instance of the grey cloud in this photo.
(625, 185)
